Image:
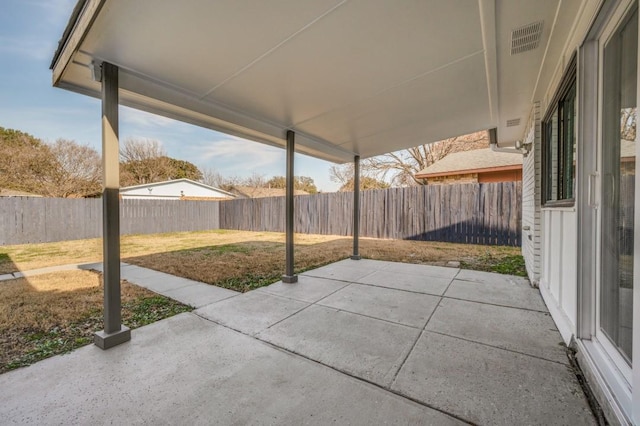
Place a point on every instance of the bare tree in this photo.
(256, 180)
(400, 167)
(76, 170)
(140, 150)
(145, 161)
(215, 179)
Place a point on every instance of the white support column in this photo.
(114, 332)
(289, 276)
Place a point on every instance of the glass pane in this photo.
(568, 143)
(618, 185)
(552, 158)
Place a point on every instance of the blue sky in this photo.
(29, 32)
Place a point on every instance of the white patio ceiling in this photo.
(351, 77)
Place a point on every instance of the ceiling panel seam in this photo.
(546, 50)
(488, 27)
(392, 87)
(389, 88)
(391, 129)
(273, 49)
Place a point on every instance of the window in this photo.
(559, 144)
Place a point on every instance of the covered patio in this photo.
(359, 341)
(354, 342)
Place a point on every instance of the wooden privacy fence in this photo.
(38, 220)
(471, 213)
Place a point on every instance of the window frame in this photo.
(556, 108)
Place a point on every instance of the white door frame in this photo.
(614, 386)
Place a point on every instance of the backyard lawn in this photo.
(49, 314)
(242, 260)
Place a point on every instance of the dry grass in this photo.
(54, 313)
(243, 260)
(32, 256)
(245, 265)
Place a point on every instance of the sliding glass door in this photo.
(618, 170)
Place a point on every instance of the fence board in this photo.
(469, 213)
(25, 220)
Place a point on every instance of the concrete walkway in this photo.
(355, 342)
(189, 292)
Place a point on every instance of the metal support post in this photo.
(356, 208)
(114, 332)
(289, 276)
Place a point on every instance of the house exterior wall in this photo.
(488, 177)
(500, 176)
(531, 197)
(172, 191)
(453, 179)
(567, 274)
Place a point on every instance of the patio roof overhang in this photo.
(349, 77)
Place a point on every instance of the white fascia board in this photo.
(140, 93)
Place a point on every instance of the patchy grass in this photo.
(242, 260)
(248, 264)
(32, 256)
(510, 265)
(55, 313)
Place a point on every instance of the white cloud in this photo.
(144, 119)
(30, 47)
(233, 152)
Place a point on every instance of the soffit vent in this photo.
(513, 122)
(526, 38)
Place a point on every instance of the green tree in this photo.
(24, 159)
(145, 161)
(302, 183)
(366, 182)
(64, 169)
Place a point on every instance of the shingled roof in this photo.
(474, 161)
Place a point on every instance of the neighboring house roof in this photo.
(477, 160)
(13, 193)
(172, 182)
(252, 192)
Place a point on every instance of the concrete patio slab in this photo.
(185, 370)
(498, 292)
(377, 265)
(307, 289)
(491, 278)
(251, 312)
(478, 361)
(199, 294)
(407, 281)
(155, 281)
(397, 306)
(364, 347)
(341, 271)
(529, 332)
(486, 385)
(425, 270)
